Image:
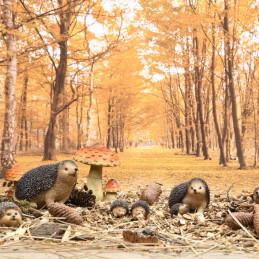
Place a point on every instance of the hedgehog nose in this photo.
(76, 169)
(195, 190)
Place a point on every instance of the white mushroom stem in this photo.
(94, 181)
(110, 196)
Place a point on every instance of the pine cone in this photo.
(244, 218)
(151, 193)
(256, 218)
(82, 198)
(61, 210)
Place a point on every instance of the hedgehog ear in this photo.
(252, 196)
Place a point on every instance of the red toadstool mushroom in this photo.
(97, 156)
(13, 175)
(111, 189)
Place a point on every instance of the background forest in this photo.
(182, 74)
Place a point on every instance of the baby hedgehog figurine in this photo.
(179, 208)
(119, 208)
(10, 214)
(140, 210)
(195, 194)
(48, 183)
(255, 195)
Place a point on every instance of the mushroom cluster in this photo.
(97, 156)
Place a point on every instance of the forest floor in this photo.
(182, 236)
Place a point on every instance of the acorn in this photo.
(151, 193)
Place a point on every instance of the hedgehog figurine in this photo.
(140, 210)
(10, 214)
(179, 208)
(255, 195)
(119, 208)
(194, 193)
(48, 183)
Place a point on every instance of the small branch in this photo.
(228, 199)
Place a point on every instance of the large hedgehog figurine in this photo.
(194, 193)
(48, 183)
(10, 214)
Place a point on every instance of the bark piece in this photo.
(61, 210)
(244, 218)
(53, 230)
(142, 236)
(151, 193)
(256, 218)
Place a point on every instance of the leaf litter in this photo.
(177, 234)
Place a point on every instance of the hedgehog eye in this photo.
(192, 188)
(8, 214)
(15, 213)
(66, 168)
(200, 187)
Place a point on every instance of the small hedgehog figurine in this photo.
(179, 208)
(255, 195)
(194, 193)
(48, 183)
(119, 208)
(10, 214)
(140, 210)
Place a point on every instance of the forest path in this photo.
(144, 165)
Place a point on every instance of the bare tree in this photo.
(230, 59)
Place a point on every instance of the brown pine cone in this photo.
(256, 218)
(61, 210)
(82, 198)
(244, 218)
(151, 193)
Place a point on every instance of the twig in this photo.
(237, 221)
(172, 240)
(228, 199)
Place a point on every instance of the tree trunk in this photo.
(109, 124)
(89, 110)
(7, 144)
(59, 83)
(187, 112)
(65, 122)
(23, 119)
(214, 108)
(198, 88)
(98, 120)
(239, 145)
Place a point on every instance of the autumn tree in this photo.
(7, 144)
